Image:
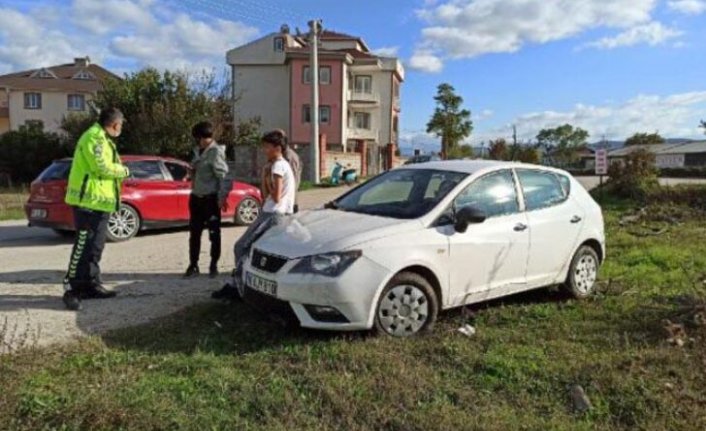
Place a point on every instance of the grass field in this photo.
(220, 366)
(12, 203)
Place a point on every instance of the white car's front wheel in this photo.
(407, 306)
(583, 272)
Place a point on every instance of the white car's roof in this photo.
(468, 166)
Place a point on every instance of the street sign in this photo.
(602, 162)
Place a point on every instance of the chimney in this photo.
(284, 29)
(82, 61)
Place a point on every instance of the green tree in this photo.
(161, 108)
(703, 126)
(28, 150)
(563, 142)
(527, 154)
(449, 122)
(644, 139)
(498, 150)
(636, 176)
(460, 152)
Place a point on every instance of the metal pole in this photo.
(314, 28)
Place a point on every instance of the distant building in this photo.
(359, 92)
(670, 155)
(47, 94)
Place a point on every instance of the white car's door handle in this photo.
(519, 227)
(575, 219)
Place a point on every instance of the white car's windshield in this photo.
(401, 193)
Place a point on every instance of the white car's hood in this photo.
(323, 231)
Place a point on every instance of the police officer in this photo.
(93, 192)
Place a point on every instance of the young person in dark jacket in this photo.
(209, 196)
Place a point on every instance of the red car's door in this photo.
(179, 173)
(152, 192)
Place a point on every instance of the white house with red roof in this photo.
(47, 94)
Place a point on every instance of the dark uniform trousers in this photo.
(204, 213)
(84, 265)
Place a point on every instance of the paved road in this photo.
(146, 272)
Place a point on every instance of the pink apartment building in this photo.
(359, 95)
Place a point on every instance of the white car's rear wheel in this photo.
(407, 306)
(583, 272)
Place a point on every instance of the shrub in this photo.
(27, 151)
(635, 177)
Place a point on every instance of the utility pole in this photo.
(314, 29)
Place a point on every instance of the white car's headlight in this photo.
(329, 264)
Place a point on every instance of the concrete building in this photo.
(359, 94)
(47, 94)
(671, 155)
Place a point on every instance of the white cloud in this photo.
(674, 116)
(184, 41)
(103, 16)
(25, 42)
(425, 61)
(387, 51)
(130, 33)
(652, 34)
(459, 29)
(689, 7)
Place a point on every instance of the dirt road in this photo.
(146, 272)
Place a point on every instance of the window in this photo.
(324, 114)
(541, 189)
(279, 44)
(494, 193)
(76, 102)
(87, 76)
(56, 171)
(324, 75)
(178, 171)
(401, 194)
(361, 120)
(363, 84)
(44, 73)
(565, 184)
(145, 170)
(33, 100)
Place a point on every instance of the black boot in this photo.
(228, 292)
(97, 292)
(72, 300)
(213, 271)
(191, 271)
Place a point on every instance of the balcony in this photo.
(367, 134)
(396, 104)
(362, 98)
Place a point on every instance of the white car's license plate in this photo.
(38, 213)
(260, 284)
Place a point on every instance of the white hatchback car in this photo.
(394, 251)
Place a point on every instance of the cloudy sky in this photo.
(614, 67)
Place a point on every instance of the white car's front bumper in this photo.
(353, 294)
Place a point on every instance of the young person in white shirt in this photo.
(279, 187)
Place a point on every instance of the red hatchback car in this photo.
(156, 195)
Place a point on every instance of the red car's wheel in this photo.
(247, 212)
(123, 224)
